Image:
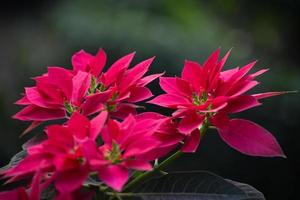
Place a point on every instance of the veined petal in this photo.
(269, 94)
(139, 94)
(140, 146)
(70, 180)
(148, 79)
(35, 186)
(192, 142)
(242, 72)
(134, 74)
(138, 165)
(16, 194)
(79, 125)
(62, 79)
(32, 126)
(242, 103)
(177, 86)
(124, 109)
(241, 88)
(224, 59)
(36, 98)
(115, 71)
(23, 101)
(95, 102)
(212, 61)
(35, 113)
(258, 73)
(97, 124)
(193, 73)
(190, 122)
(114, 176)
(80, 60)
(81, 85)
(249, 138)
(98, 62)
(170, 101)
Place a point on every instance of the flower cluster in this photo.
(103, 138)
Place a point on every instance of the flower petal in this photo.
(190, 122)
(114, 176)
(70, 180)
(193, 73)
(138, 165)
(123, 110)
(80, 60)
(269, 94)
(177, 86)
(139, 94)
(115, 71)
(79, 125)
(35, 113)
(249, 138)
(62, 79)
(148, 79)
(241, 103)
(134, 74)
(97, 124)
(98, 62)
(170, 101)
(95, 102)
(192, 142)
(81, 85)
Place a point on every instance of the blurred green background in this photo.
(36, 34)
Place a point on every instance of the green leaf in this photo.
(199, 185)
(15, 160)
(37, 139)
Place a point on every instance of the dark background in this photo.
(36, 34)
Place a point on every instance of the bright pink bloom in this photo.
(56, 93)
(64, 155)
(204, 91)
(33, 193)
(16, 194)
(125, 147)
(86, 89)
(166, 133)
(117, 89)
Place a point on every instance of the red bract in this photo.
(166, 133)
(103, 134)
(206, 95)
(33, 193)
(125, 147)
(63, 157)
(56, 93)
(117, 89)
(87, 89)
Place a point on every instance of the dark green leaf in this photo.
(15, 160)
(200, 185)
(37, 139)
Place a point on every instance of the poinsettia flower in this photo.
(56, 94)
(20, 193)
(166, 133)
(205, 90)
(64, 154)
(119, 88)
(125, 146)
(16, 194)
(83, 61)
(86, 89)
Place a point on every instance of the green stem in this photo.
(162, 165)
(148, 174)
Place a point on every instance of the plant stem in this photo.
(162, 165)
(148, 174)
